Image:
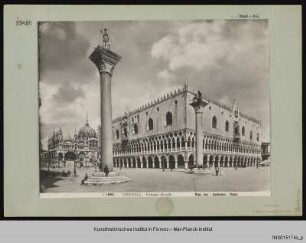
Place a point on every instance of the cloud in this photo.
(203, 45)
(166, 75)
(67, 93)
(226, 100)
(60, 45)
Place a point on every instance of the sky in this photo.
(226, 60)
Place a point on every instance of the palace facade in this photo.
(82, 147)
(161, 134)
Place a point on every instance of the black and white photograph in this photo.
(153, 108)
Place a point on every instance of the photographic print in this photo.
(154, 108)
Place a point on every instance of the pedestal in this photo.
(99, 178)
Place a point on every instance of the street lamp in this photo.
(74, 164)
(48, 162)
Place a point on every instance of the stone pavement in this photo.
(250, 179)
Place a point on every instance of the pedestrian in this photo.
(106, 171)
(217, 170)
(85, 179)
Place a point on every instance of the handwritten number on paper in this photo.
(23, 22)
(249, 16)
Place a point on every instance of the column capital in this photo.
(198, 105)
(104, 59)
(198, 109)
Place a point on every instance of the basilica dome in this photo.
(87, 132)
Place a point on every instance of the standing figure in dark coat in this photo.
(106, 171)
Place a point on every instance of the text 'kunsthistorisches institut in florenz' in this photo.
(161, 134)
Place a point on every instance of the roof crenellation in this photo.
(185, 88)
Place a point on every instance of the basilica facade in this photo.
(82, 147)
(161, 134)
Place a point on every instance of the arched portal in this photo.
(138, 163)
(180, 162)
(205, 159)
(171, 161)
(211, 162)
(191, 161)
(216, 161)
(156, 162)
(144, 161)
(221, 161)
(235, 162)
(150, 162)
(70, 156)
(163, 162)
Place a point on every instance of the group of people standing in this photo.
(218, 170)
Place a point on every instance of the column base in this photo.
(199, 171)
(99, 178)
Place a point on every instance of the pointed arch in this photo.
(168, 118)
(150, 124)
(214, 122)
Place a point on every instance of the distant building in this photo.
(265, 151)
(161, 134)
(82, 147)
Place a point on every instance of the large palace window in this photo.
(125, 132)
(214, 122)
(251, 135)
(135, 129)
(243, 131)
(150, 124)
(168, 118)
(237, 130)
(117, 134)
(226, 126)
(257, 137)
